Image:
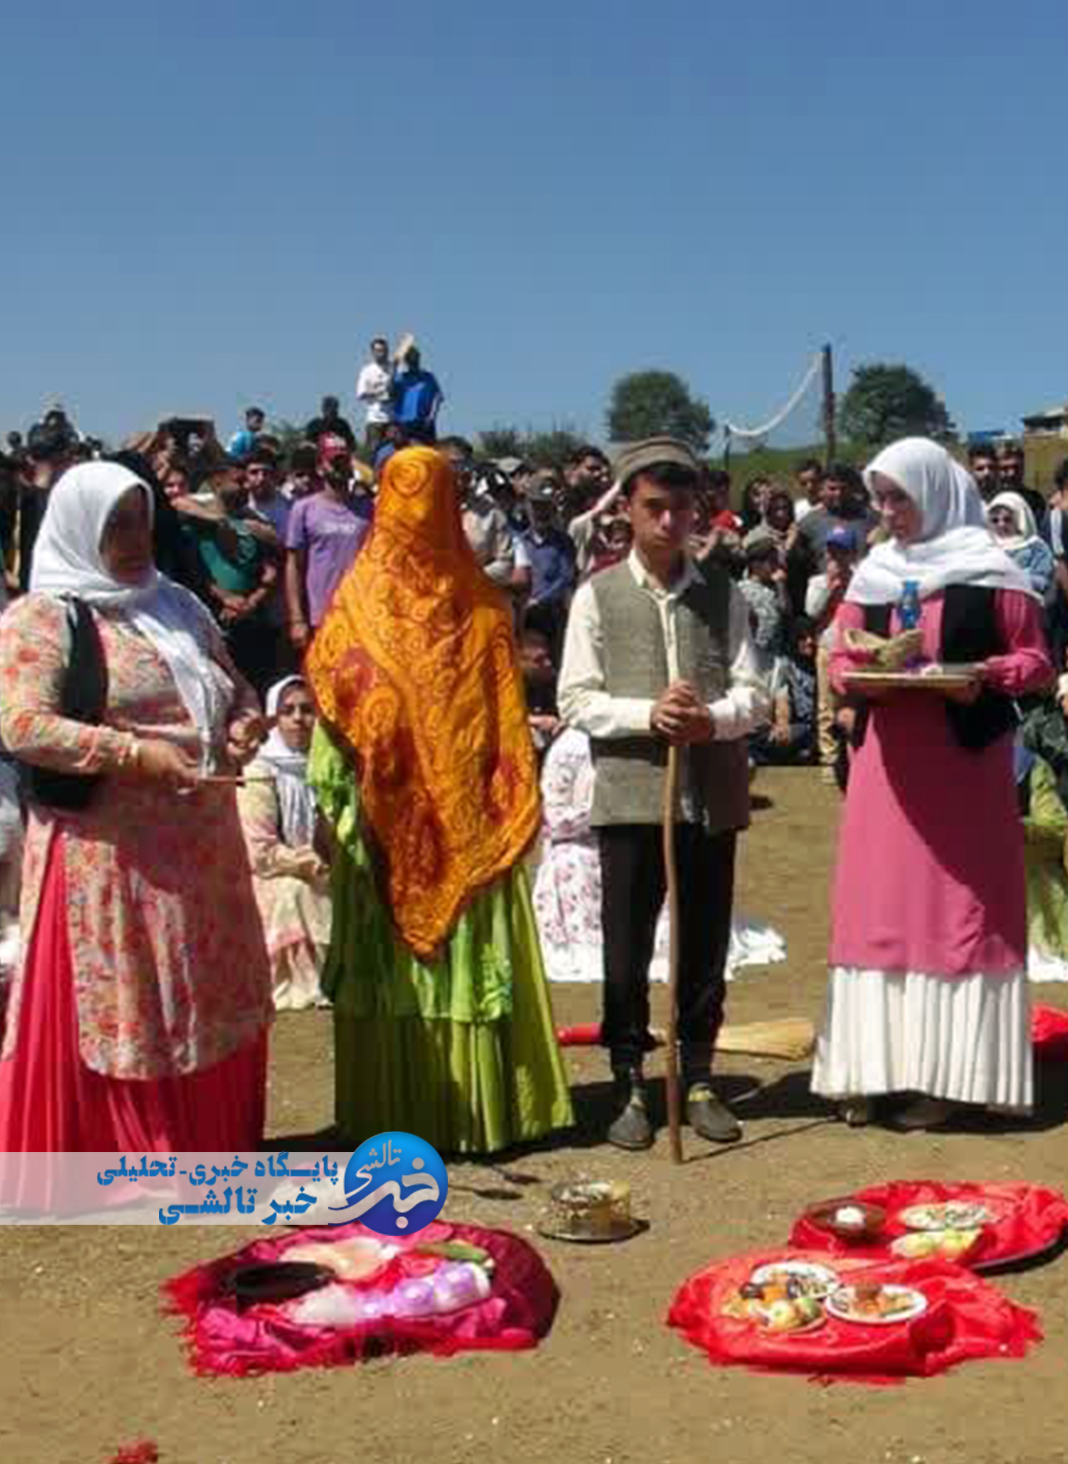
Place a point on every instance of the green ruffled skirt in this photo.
(460, 1050)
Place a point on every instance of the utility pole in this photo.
(828, 406)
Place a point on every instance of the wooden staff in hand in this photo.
(674, 1106)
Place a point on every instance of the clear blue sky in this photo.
(209, 205)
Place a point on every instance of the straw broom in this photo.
(671, 788)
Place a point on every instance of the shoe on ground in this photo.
(709, 1117)
(857, 1112)
(632, 1129)
(924, 1114)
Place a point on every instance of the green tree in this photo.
(549, 449)
(649, 403)
(887, 401)
(499, 442)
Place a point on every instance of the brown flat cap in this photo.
(651, 452)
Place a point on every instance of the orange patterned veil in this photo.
(414, 670)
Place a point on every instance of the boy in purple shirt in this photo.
(323, 537)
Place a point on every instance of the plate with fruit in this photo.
(876, 1304)
(925, 1245)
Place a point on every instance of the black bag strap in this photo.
(83, 697)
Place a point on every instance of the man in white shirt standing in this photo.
(658, 653)
(373, 388)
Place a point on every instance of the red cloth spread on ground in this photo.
(965, 1318)
(264, 1338)
(1026, 1220)
(1049, 1031)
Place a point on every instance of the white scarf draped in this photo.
(67, 561)
(1026, 528)
(296, 801)
(955, 546)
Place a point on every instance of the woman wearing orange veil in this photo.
(424, 769)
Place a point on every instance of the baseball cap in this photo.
(842, 538)
(509, 465)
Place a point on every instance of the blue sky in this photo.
(209, 205)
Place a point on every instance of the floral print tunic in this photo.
(170, 967)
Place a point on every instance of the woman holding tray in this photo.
(928, 987)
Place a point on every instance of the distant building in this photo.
(1051, 423)
(1045, 441)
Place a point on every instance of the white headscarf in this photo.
(67, 561)
(955, 546)
(1026, 528)
(296, 801)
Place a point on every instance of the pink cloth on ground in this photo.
(930, 873)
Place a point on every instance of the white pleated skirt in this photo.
(962, 1038)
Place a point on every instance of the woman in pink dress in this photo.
(138, 1019)
(928, 985)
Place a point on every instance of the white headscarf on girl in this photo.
(1026, 528)
(955, 546)
(296, 801)
(67, 561)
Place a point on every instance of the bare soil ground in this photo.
(90, 1363)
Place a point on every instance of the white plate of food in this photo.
(876, 1304)
(788, 1280)
(949, 1215)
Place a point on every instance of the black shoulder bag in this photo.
(83, 697)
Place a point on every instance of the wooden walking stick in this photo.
(671, 789)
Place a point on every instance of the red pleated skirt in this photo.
(50, 1102)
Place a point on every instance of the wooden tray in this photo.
(933, 678)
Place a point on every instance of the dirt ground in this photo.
(90, 1363)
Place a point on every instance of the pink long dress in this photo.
(928, 989)
(138, 1019)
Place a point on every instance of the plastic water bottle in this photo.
(908, 614)
(908, 610)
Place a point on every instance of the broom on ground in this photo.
(789, 1038)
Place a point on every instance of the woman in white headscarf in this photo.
(1013, 525)
(928, 986)
(138, 1018)
(285, 845)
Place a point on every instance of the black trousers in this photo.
(633, 884)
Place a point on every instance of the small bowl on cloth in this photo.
(849, 1219)
(274, 1282)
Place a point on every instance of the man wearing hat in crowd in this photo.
(659, 653)
(764, 589)
(824, 594)
(551, 556)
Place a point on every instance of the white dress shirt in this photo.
(581, 694)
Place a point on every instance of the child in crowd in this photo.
(824, 594)
(539, 683)
(764, 588)
(791, 738)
